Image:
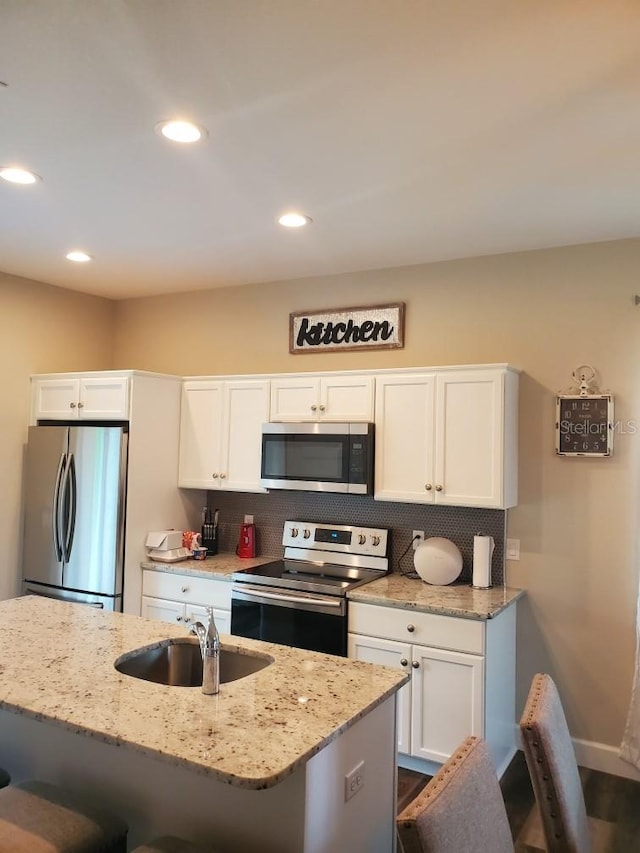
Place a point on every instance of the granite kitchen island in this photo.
(260, 766)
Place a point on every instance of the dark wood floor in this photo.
(609, 798)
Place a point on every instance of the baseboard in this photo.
(600, 756)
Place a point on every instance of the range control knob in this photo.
(361, 539)
(293, 531)
(306, 533)
(375, 540)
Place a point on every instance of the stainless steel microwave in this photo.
(318, 457)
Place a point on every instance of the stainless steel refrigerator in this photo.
(75, 501)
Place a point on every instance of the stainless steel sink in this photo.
(178, 662)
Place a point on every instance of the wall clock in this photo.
(584, 418)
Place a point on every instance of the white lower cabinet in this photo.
(462, 678)
(181, 598)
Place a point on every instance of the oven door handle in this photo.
(247, 592)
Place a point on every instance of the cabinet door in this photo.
(246, 408)
(159, 608)
(56, 399)
(469, 419)
(404, 438)
(295, 399)
(346, 398)
(388, 653)
(222, 618)
(447, 691)
(200, 435)
(104, 398)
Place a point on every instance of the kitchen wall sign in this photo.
(584, 417)
(338, 329)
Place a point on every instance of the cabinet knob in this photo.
(403, 661)
(184, 589)
(415, 664)
(81, 405)
(72, 405)
(313, 408)
(215, 476)
(222, 476)
(178, 618)
(438, 488)
(411, 628)
(321, 407)
(428, 487)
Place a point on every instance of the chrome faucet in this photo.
(209, 640)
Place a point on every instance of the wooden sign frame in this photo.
(371, 327)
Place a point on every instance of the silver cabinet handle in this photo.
(411, 628)
(215, 475)
(415, 664)
(81, 405)
(178, 618)
(72, 405)
(403, 661)
(438, 488)
(313, 408)
(321, 407)
(222, 476)
(184, 589)
(428, 487)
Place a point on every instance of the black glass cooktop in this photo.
(326, 578)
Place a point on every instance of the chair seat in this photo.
(36, 817)
(171, 844)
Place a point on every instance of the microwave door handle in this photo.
(57, 507)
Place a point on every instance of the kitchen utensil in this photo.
(438, 561)
(482, 556)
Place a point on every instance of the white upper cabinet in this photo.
(220, 434)
(448, 437)
(309, 397)
(81, 398)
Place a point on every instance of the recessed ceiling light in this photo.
(294, 220)
(78, 256)
(180, 131)
(15, 175)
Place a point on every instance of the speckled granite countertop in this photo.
(56, 664)
(222, 566)
(396, 590)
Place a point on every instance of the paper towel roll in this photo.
(482, 553)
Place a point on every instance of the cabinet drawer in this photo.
(430, 629)
(205, 591)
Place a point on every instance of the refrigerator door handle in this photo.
(57, 508)
(70, 504)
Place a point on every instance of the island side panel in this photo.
(366, 821)
(155, 797)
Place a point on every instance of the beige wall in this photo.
(43, 329)
(545, 312)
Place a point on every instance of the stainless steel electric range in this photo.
(301, 600)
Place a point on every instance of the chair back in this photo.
(461, 809)
(553, 769)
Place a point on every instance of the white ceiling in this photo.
(409, 130)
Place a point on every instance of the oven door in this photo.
(291, 618)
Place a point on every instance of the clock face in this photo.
(584, 425)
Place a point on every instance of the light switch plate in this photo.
(513, 549)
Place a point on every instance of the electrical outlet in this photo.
(354, 781)
(248, 519)
(420, 535)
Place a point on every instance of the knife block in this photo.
(209, 540)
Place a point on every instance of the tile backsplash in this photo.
(270, 511)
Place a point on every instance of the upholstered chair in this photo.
(554, 771)
(461, 810)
